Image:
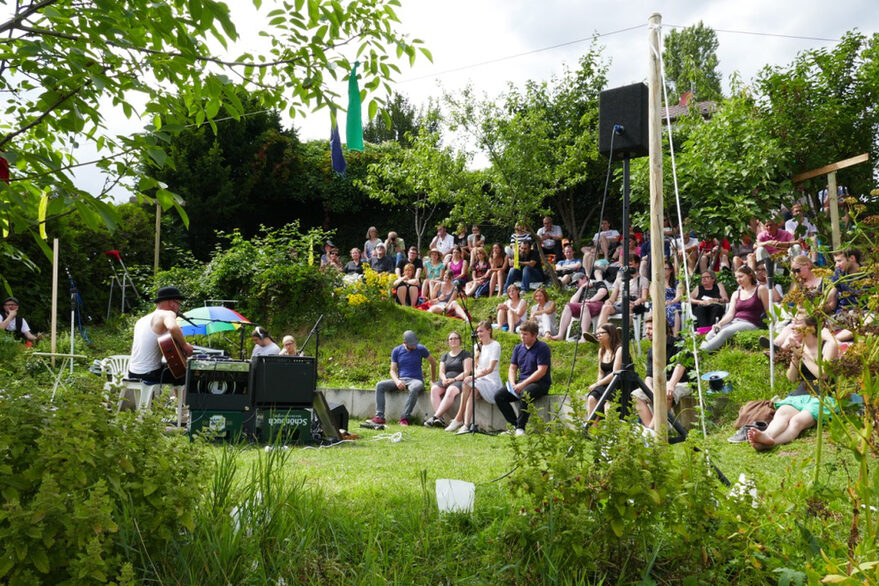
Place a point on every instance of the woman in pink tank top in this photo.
(746, 308)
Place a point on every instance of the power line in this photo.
(597, 35)
(760, 34)
(517, 55)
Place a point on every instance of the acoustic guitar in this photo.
(173, 355)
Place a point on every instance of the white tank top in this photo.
(145, 353)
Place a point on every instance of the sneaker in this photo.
(377, 420)
(589, 337)
(454, 425)
(519, 432)
(429, 422)
(439, 422)
(464, 429)
(741, 436)
(404, 422)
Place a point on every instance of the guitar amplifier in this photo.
(215, 383)
(283, 380)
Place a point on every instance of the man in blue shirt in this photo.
(528, 378)
(405, 374)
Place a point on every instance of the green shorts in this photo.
(810, 404)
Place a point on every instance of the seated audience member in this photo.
(413, 259)
(676, 385)
(776, 294)
(454, 368)
(543, 312)
(617, 256)
(610, 360)
(808, 285)
(486, 379)
(460, 237)
(529, 271)
(333, 260)
(445, 301)
(406, 374)
(407, 286)
(289, 349)
(395, 247)
(746, 308)
(478, 272)
(569, 267)
(512, 311)
(263, 345)
(443, 241)
(605, 241)
(381, 263)
(475, 241)
(773, 238)
(550, 238)
(458, 267)
(673, 294)
(355, 265)
(708, 299)
(433, 271)
(499, 263)
(10, 321)
(690, 245)
(519, 235)
(742, 251)
(847, 275)
(528, 378)
(714, 255)
(372, 240)
(639, 290)
(325, 257)
(798, 225)
(800, 409)
(586, 302)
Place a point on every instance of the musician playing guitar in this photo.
(157, 333)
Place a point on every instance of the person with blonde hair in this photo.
(289, 346)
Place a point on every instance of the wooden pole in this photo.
(158, 241)
(834, 210)
(54, 296)
(657, 258)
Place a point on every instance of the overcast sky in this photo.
(464, 33)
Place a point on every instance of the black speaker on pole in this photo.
(622, 122)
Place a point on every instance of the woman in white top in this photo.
(543, 312)
(289, 348)
(511, 312)
(372, 240)
(486, 379)
(263, 345)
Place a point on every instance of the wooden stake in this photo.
(657, 258)
(158, 241)
(834, 210)
(54, 296)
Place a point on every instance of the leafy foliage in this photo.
(79, 485)
(690, 59)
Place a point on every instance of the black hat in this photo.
(168, 294)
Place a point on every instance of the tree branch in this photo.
(41, 117)
(27, 12)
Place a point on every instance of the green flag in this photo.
(354, 127)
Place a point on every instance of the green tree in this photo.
(690, 60)
(422, 178)
(823, 106)
(63, 61)
(398, 120)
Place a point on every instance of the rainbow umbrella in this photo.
(209, 319)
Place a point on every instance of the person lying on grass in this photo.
(799, 410)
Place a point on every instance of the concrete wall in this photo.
(361, 405)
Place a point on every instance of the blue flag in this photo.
(339, 163)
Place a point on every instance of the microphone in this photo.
(186, 319)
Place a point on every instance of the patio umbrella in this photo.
(210, 319)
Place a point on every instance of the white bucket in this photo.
(454, 496)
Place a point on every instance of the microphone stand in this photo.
(315, 329)
(763, 257)
(474, 341)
